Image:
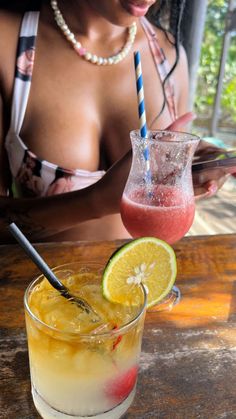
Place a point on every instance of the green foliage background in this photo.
(209, 66)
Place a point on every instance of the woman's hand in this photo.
(181, 122)
(112, 184)
(208, 182)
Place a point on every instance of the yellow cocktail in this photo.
(81, 368)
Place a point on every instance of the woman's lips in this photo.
(136, 8)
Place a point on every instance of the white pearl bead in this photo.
(88, 56)
(78, 44)
(125, 51)
(54, 5)
(70, 36)
(64, 27)
(59, 21)
(94, 59)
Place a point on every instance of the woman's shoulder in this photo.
(176, 57)
(167, 43)
(11, 14)
(9, 28)
(10, 21)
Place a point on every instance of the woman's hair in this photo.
(20, 5)
(167, 15)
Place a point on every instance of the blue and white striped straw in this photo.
(140, 93)
(141, 111)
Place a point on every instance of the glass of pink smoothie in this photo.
(158, 198)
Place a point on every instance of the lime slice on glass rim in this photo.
(146, 260)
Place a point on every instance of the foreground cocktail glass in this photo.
(158, 198)
(80, 368)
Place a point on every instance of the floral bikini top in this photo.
(31, 175)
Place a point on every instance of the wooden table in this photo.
(188, 362)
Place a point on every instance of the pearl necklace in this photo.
(82, 52)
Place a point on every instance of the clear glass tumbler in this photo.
(82, 369)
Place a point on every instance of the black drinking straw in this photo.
(47, 272)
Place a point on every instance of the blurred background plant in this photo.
(209, 69)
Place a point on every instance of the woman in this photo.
(68, 97)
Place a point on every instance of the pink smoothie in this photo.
(168, 215)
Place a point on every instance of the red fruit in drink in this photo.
(118, 339)
(119, 388)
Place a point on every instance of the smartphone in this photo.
(217, 159)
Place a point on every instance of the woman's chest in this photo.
(79, 116)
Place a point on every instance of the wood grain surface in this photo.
(188, 361)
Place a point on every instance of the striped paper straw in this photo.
(140, 93)
(141, 111)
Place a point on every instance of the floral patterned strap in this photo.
(162, 66)
(24, 69)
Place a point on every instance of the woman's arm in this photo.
(181, 78)
(4, 172)
(41, 218)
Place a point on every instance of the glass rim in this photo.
(90, 335)
(187, 136)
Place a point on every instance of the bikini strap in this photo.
(162, 66)
(24, 69)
